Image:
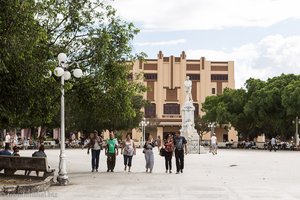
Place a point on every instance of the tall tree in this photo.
(26, 98)
(34, 32)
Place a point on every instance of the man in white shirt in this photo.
(273, 144)
(214, 146)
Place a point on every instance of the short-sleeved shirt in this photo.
(273, 141)
(111, 143)
(213, 140)
(179, 142)
(128, 148)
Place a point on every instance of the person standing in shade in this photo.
(8, 139)
(214, 145)
(273, 144)
(149, 156)
(169, 147)
(128, 150)
(180, 150)
(111, 152)
(95, 144)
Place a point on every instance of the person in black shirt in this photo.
(180, 149)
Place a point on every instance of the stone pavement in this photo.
(232, 174)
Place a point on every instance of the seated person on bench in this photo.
(39, 153)
(6, 151)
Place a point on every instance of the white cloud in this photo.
(270, 57)
(158, 15)
(161, 43)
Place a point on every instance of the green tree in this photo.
(26, 98)
(32, 33)
(264, 107)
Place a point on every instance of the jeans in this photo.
(95, 158)
(111, 161)
(127, 160)
(179, 155)
(168, 160)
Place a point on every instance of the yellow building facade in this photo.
(164, 76)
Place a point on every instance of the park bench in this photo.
(10, 164)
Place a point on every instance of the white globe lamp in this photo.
(62, 57)
(58, 71)
(77, 73)
(67, 75)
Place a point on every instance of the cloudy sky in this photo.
(261, 36)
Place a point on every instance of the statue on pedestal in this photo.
(188, 89)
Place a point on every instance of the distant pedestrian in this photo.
(95, 144)
(273, 144)
(180, 150)
(128, 150)
(82, 140)
(149, 156)
(111, 151)
(169, 147)
(7, 139)
(214, 145)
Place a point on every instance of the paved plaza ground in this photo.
(232, 174)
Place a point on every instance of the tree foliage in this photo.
(263, 107)
(32, 33)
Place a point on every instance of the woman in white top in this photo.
(95, 144)
(128, 150)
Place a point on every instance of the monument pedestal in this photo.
(188, 122)
(193, 144)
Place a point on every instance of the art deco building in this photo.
(164, 76)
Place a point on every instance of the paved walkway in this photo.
(232, 174)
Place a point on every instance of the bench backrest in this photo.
(23, 163)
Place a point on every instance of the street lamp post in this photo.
(61, 71)
(144, 123)
(297, 122)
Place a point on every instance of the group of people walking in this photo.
(173, 146)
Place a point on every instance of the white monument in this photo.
(188, 126)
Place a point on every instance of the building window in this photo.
(150, 110)
(219, 77)
(213, 90)
(171, 94)
(150, 76)
(172, 108)
(194, 77)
